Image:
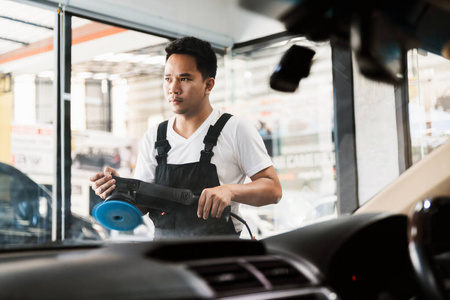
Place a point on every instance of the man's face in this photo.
(184, 86)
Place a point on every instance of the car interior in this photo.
(394, 245)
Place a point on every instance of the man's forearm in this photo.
(260, 192)
(264, 189)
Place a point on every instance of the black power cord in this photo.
(243, 222)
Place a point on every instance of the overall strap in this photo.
(211, 137)
(162, 145)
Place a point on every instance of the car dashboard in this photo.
(354, 257)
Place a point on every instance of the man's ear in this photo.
(210, 82)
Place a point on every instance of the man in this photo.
(202, 149)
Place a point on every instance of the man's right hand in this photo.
(103, 183)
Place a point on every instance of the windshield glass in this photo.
(117, 96)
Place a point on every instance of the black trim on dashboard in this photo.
(172, 251)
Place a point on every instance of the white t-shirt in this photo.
(240, 152)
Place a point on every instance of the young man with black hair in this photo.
(202, 149)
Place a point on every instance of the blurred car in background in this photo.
(443, 101)
(25, 213)
(96, 158)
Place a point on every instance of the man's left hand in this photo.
(213, 201)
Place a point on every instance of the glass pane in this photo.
(26, 124)
(117, 94)
(297, 131)
(116, 88)
(429, 101)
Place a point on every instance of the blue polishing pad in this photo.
(117, 215)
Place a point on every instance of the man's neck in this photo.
(186, 125)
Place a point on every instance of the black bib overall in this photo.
(180, 220)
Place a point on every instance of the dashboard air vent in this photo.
(228, 278)
(280, 273)
(250, 275)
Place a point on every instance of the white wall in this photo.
(376, 137)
